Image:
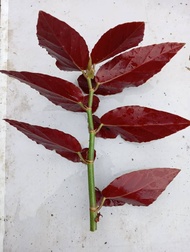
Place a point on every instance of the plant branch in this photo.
(91, 179)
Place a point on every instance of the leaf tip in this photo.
(177, 170)
(6, 120)
(182, 44)
(41, 12)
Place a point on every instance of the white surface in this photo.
(3, 82)
(46, 200)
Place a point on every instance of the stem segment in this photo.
(91, 180)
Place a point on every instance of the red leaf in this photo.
(56, 90)
(108, 90)
(140, 188)
(84, 154)
(135, 67)
(117, 40)
(62, 42)
(105, 132)
(139, 124)
(84, 85)
(102, 89)
(95, 104)
(64, 144)
(107, 202)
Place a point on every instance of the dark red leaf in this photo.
(84, 154)
(56, 90)
(105, 132)
(52, 139)
(62, 42)
(117, 40)
(107, 202)
(140, 188)
(95, 104)
(102, 89)
(139, 124)
(135, 67)
(84, 85)
(108, 89)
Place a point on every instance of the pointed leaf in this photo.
(62, 42)
(135, 67)
(58, 91)
(52, 139)
(139, 124)
(117, 40)
(139, 188)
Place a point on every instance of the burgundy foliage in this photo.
(107, 202)
(52, 139)
(58, 91)
(139, 188)
(132, 123)
(139, 124)
(82, 84)
(62, 42)
(134, 68)
(102, 89)
(117, 40)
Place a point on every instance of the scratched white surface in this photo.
(46, 199)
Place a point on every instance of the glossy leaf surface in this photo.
(139, 188)
(52, 139)
(139, 124)
(117, 40)
(58, 91)
(135, 67)
(62, 42)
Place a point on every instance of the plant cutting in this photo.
(122, 66)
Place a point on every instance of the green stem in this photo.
(91, 179)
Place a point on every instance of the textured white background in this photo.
(46, 198)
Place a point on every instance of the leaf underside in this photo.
(139, 124)
(62, 42)
(139, 188)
